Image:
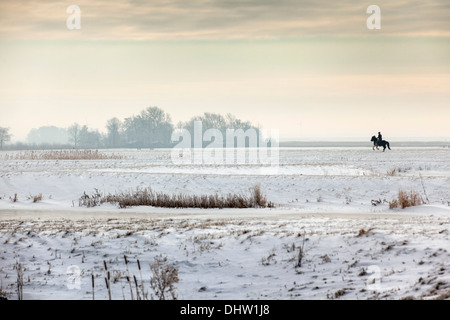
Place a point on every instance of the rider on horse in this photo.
(379, 142)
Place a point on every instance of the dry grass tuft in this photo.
(392, 172)
(406, 200)
(339, 293)
(62, 155)
(15, 199)
(364, 232)
(147, 197)
(37, 198)
(443, 296)
(164, 278)
(19, 269)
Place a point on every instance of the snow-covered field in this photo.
(323, 196)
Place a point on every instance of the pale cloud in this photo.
(296, 61)
(219, 19)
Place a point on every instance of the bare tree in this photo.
(219, 122)
(89, 138)
(5, 136)
(74, 134)
(151, 128)
(113, 136)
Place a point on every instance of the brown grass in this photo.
(393, 172)
(19, 270)
(147, 197)
(443, 296)
(364, 232)
(406, 200)
(62, 155)
(37, 198)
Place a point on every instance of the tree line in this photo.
(151, 128)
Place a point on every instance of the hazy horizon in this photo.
(311, 70)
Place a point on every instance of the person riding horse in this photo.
(379, 142)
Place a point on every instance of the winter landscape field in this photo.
(329, 232)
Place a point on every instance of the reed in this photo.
(147, 197)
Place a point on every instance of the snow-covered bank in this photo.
(345, 257)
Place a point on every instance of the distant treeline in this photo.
(151, 128)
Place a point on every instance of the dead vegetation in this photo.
(3, 294)
(164, 278)
(392, 172)
(301, 252)
(443, 296)
(74, 154)
(15, 198)
(19, 282)
(162, 282)
(37, 198)
(339, 293)
(270, 259)
(364, 232)
(396, 171)
(148, 197)
(405, 200)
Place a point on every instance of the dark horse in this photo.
(382, 143)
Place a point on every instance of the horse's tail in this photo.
(388, 145)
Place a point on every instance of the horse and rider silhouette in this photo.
(379, 142)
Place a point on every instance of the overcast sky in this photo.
(311, 69)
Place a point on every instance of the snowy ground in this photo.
(323, 198)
